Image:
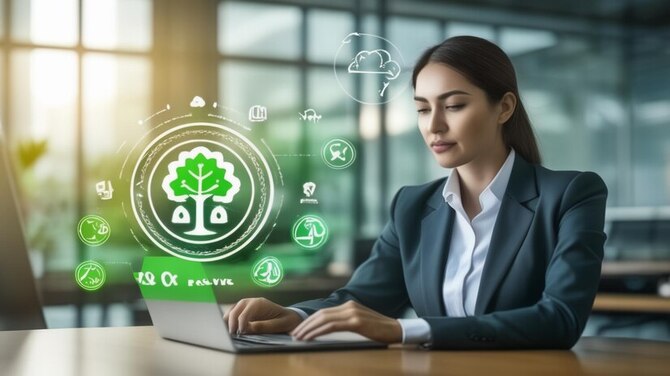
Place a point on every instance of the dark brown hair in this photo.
(489, 68)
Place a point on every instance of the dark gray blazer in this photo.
(539, 279)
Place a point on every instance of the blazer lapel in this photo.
(511, 227)
(434, 248)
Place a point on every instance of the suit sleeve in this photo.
(378, 283)
(557, 320)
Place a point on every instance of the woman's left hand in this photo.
(350, 316)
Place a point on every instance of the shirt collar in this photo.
(497, 186)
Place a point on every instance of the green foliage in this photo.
(30, 151)
(200, 176)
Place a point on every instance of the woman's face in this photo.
(456, 120)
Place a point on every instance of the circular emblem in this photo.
(93, 230)
(310, 232)
(202, 191)
(90, 275)
(267, 272)
(338, 153)
(374, 62)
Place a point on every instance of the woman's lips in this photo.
(441, 147)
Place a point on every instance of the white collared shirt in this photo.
(468, 248)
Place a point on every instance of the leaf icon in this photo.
(201, 174)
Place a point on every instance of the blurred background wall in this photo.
(77, 75)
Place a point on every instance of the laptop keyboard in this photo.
(266, 339)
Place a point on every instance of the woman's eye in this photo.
(455, 107)
(423, 110)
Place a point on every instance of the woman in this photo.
(503, 253)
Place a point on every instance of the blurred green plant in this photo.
(31, 151)
(37, 211)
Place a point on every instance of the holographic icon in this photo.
(376, 62)
(308, 190)
(375, 68)
(90, 275)
(203, 191)
(197, 102)
(310, 115)
(169, 279)
(338, 153)
(146, 278)
(258, 113)
(93, 230)
(201, 174)
(210, 282)
(310, 232)
(104, 190)
(267, 272)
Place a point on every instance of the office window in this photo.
(114, 95)
(115, 92)
(337, 110)
(370, 131)
(287, 89)
(245, 84)
(117, 24)
(517, 41)
(407, 162)
(259, 29)
(412, 36)
(650, 178)
(337, 188)
(572, 90)
(2, 18)
(325, 31)
(45, 22)
(453, 29)
(44, 103)
(43, 108)
(44, 89)
(3, 125)
(371, 25)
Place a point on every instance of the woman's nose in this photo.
(438, 122)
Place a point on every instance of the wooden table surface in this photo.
(636, 303)
(140, 351)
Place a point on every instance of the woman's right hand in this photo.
(259, 315)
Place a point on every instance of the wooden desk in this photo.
(140, 351)
(635, 268)
(607, 302)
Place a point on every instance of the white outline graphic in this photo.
(307, 222)
(104, 190)
(258, 113)
(310, 115)
(274, 273)
(387, 66)
(160, 221)
(383, 65)
(220, 128)
(197, 102)
(337, 154)
(220, 163)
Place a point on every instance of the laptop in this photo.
(20, 306)
(202, 324)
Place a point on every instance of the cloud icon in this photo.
(375, 62)
(197, 102)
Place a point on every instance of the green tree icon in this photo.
(201, 174)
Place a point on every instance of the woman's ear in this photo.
(507, 104)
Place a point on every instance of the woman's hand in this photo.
(350, 316)
(259, 315)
